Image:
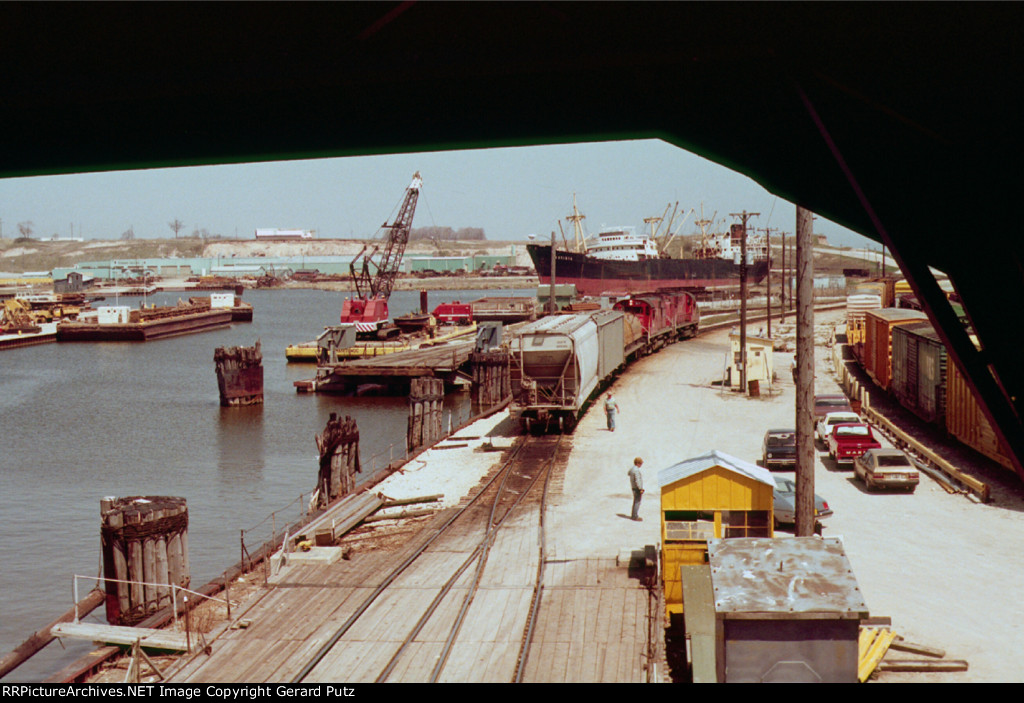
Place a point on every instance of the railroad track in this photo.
(515, 494)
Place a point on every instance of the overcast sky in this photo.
(509, 192)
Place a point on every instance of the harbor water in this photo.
(81, 421)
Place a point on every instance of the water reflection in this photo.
(240, 445)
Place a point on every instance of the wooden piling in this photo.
(144, 552)
(239, 375)
(426, 401)
(339, 459)
(492, 382)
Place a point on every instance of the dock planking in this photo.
(432, 361)
(591, 625)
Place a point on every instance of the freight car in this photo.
(559, 362)
(919, 371)
(879, 325)
(924, 380)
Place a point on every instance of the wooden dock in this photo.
(443, 361)
(593, 624)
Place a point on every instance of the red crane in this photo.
(374, 280)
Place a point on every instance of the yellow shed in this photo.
(711, 496)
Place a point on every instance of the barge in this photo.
(123, 324)
(13, 340)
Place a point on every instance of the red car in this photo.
(848, 441)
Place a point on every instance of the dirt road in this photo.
(943, 567)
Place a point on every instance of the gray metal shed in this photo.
(786, 610)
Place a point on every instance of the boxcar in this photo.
(558, 363)
(966, 421)
(919, 371)
(878, 335)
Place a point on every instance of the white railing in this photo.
(174, 592)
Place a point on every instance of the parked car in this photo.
(785, 503)
(886, 468)
(849, 441)
(825, 404)
(824, 427)
(778, 448)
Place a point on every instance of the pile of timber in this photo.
(877, 639)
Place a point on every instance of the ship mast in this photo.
(576, 218)
(703, 224)
(671, 234)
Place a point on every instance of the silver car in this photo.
(785, 503)
(886, 468)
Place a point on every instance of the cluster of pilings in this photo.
(339, 459)
(426, 401)
(145, 551)
(492, 379)
(239, 375)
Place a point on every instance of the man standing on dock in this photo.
(636, 482)
(611, 409)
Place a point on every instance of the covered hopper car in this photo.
(561, 361)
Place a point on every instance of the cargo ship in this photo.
(620, 261)
(623, 262)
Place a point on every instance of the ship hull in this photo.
(598, 277)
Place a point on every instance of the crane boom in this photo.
(374, 281)
(379, 283)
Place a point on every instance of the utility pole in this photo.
(768, 278)
(744, 216)
(551, 289)
(783, 300)
(804, 374)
